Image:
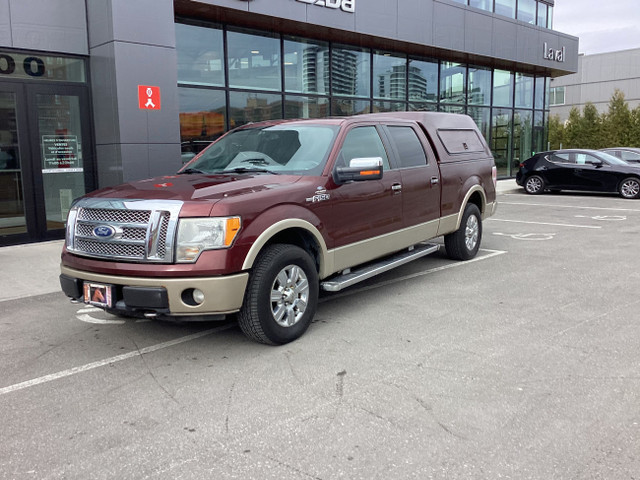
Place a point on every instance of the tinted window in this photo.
(408, 146)
(461, 141)
(562, 158)
(630, 156)
(362, 142)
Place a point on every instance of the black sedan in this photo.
(628, 154)
(585, 170)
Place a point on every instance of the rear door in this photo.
(420, 177)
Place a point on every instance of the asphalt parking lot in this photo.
(523, 363)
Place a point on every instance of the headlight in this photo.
(195, 235)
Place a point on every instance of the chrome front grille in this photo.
(129, 230)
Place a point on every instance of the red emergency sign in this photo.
(148, 97)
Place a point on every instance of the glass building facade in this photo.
(230, 76)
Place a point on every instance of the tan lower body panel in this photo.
(222, 294)
(367, 250)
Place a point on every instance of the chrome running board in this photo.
(349, 277)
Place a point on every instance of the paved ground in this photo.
(520, 364)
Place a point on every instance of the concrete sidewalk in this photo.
(33, 269)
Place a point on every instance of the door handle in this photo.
(396, 188)
(435, 180)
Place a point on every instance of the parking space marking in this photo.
(544, 223)
(571, 206)
(528, 236)
(100, 321)
(605, 218)
(492, 253)
(109, 361)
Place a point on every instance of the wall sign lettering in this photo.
(345, 5)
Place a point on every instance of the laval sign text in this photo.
(558, 55)
(344, 5)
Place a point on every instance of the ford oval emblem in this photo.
(104, 232)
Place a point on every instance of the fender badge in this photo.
(320, 196)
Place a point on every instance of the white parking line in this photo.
(571, 206)
(109, 361)
(543, 223)
(492, 253)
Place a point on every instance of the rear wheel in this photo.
(534, 185)
(463, 244)
(281, 297)
(630, 188)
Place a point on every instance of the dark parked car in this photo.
(628, 154)
(586, 170)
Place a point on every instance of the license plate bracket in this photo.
(98, 294)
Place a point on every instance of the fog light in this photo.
(198, 296)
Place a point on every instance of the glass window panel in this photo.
(539, 144)
(452, 108)
(60, 130)
(389, 106)
(502, 88)
(12, 214)
(524, 90)
(351, 71)
(482, 117)
(549, 16)
(522, 137)
(423, 107)
(453, 82)
(423, 80)
(306, 66)
(479, 86)
(410, 149)
(506, 8)
(202, 119)
(539, 94)
(346, 106)
(527, 11)
(254, 61)
(501, 124)
(245, 107)
(482, 4)
(42, 67)
(306, 107)
(542, 14)
(389, 76)
(362, 142)
(200, 55)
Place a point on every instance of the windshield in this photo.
(286, 149)
(611, 160)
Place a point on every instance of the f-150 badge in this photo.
(320, 196)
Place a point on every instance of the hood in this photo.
(196, 187)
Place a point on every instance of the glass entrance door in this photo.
(45, 160)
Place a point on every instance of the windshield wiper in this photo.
(190, 170)
(249, 170)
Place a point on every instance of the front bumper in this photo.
(164, 296)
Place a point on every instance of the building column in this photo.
(132, 43)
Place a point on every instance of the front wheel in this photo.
(281, 297)
(464, 243)
(630, 188)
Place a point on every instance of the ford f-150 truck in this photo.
(272, 212)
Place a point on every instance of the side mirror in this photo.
(368, 168)
(595, 162)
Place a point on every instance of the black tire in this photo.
(534, 185)
(629, 188)
(291, 271)
(464, 243)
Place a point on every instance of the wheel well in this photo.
(300, 238)
(477, 200)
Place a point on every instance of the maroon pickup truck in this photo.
(272, 212)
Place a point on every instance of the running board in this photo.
(348, 277)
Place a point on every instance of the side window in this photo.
(562, 158)
(408, 146)
(362, 142)
(630, 156)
